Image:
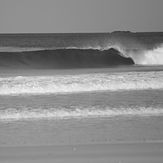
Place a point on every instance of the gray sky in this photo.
(80, 15)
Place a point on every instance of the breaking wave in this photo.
(65, 84)
(74, 57)
(62, 58)
(148, 57)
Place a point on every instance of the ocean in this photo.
(87, 88)
(58, 76)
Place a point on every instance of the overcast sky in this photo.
(80, 15)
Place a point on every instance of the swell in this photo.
(63, 58)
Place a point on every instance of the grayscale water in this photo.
(70, 78)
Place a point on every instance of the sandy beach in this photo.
(110, 153)
(113, 140)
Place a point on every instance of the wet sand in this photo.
(110, 153)
(95, 140)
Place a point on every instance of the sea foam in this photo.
(67, 84)
(12, 114)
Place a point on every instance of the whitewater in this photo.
(88, 95)
(67, 84)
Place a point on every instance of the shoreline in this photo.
(114, 153)
(124, 140)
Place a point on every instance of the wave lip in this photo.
(67, 84)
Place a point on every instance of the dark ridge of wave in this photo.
(63, 58)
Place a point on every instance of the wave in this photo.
(67, 84)
(75, 57)
(80, 50)
(13, 114)
(62, 58)
(140, 55)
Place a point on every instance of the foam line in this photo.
(67, 84)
